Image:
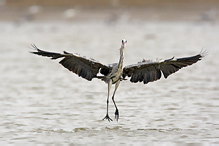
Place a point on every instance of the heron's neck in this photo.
(121, 57)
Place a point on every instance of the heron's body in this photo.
(145, 71)
(115, 75)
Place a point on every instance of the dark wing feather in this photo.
(105, 71)
(83, 67)
(149, 71)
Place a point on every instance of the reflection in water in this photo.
(42, 102)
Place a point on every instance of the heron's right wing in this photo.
(83, 67)
(149, 71)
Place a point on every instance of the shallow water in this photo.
(42, 102)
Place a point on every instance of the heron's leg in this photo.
(107, 102)
(117, 111)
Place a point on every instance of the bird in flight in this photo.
(145, 71)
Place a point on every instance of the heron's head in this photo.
(124, 42)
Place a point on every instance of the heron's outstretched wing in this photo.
(83, 67)
(149, 71)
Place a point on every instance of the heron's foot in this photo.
(117, 115)
(107, 117)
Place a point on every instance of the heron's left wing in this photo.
(149, 71)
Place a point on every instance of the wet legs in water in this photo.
(117, 111)
(107, 102)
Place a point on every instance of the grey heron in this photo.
(145, 71)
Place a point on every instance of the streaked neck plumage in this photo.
(122, 50)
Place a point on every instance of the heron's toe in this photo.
(107, 118)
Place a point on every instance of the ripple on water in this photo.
(42, 102)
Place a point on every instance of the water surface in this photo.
(42, 102)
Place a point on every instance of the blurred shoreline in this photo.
(169, 12)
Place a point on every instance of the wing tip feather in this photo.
(203, 53)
